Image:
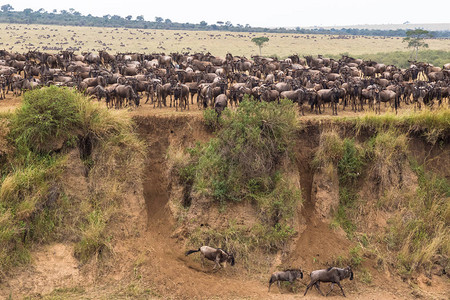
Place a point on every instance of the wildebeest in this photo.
(181, 96)
(296, 96)
(287, 275)
(122, 92)
(220, 104)
(332, 274)
(216, 255)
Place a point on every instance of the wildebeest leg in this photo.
(317, 285)
(279, 285)
(341, 289)
(332, 285)
(202, 261)
(217, 261)
(270, 283)
(309, 286)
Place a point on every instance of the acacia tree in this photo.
(259, 41)
(6, 7)
(415, 39)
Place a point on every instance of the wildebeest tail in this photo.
(192, 251)
(272, 279)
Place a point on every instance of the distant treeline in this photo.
(74, 18)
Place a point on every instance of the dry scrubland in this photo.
(21, 38)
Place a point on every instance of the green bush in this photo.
(351, 163)
(250, 145)
(331, 149)
(211, 119)
(245, 162)
(46, 117)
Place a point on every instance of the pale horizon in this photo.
(286, 13)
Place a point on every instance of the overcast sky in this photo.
(278, 13)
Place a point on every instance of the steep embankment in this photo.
(331, 225)
(320, 239)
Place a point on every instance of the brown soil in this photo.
(151, 264)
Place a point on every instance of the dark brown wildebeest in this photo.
(217, 255)
(3, 86)
(385, 96)
(333, 275)
(269, 95)
(181, 96)
(220, 103)
(328, 96)
(162, 91)
(297, 96)
(99, 92)
(122, 92)
(287, 275)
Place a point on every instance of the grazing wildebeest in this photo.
(287, 275)
(216, 255)
(220, 104)
(332, 274)
(99, 92)
(126, 92)
(296, 96)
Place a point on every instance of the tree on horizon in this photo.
(415, 39)
(259, 41)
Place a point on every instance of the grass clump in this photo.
(387, 153)
(247, 161)
(421, 236)
(46, 117)
(434, 125)
(37, 203)
(351, 163)
(331, 149)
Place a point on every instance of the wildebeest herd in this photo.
(332, 274)
(170, 80)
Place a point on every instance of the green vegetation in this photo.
(247, 161)
(55, 130)
(423, 236)
(46, 117)
(434, 125)
(415, 39)
(349, 159)
(417, 232)
(259, 41)
(246, 152)
(400, 58)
